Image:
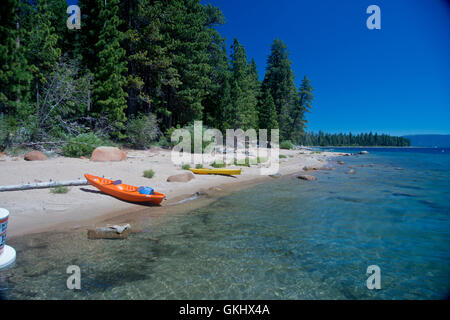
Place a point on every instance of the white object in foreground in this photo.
(7, 254)
(8, 257)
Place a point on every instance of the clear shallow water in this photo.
(288, 239)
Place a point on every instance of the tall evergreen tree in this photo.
(42, 49)
(150, 65)
(305, 98)
(218, 90)
(244, 89)
(108, 92)
(279, 82)
(267, 113)
(184, 26)
(15, 76)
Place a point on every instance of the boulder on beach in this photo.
(35, 156)
(182, 177)
(306, 177)
(105, 154)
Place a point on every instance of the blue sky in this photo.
(395, 80)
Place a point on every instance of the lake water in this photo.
(287, 239)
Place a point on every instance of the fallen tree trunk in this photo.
(41, 185)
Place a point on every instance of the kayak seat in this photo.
(117, 182)
(146, 190)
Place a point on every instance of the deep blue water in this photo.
(287, 239)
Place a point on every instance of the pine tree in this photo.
(109, 73)
(15, 76)
(217, 99)
(150, 66)
(185, 28)
(305, 98)
(267, 113)
(43, 52)
(244, 89)
(279, 82)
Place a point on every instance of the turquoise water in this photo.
(287, 239)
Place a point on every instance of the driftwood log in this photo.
(41, 185)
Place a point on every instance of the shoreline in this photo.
(85, 207)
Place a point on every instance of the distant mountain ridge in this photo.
(429, 140)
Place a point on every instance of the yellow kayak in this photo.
(216, 171)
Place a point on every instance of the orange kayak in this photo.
(123, 191)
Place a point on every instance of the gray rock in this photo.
(182, 177)
(351, 171)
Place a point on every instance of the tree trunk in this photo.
(42, 185)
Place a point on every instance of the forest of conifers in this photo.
(136, 70)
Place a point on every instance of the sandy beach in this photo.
(40, 210)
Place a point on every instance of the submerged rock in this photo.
(35, 156)
(110, 232)
(311, 168)
(201, 192)
(306, 177)
(341, 162)
(275, 176)
(182, 177)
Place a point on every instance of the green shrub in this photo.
(282, 156)
(218, 165)
(149, 173)
(185, 167)
(83, 145)
(198, 166)
(4, 132)
(286, 145)
(59, 189)
(245, 164)
(141, 131)
(163, 142)
(262, 159)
